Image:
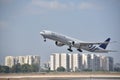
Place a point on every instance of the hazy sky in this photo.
(87, 20)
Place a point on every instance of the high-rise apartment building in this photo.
(59, 60)
(64, 61)
(84, 61)
(111, 64)
(71, 62)
(36, 60)
(9, 61)
(106, 63)
(96, 63)
(21, 60)
(52, 62)
(76, 62)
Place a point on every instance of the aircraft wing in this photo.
(111, 51)
(92, 43)
(104, 51)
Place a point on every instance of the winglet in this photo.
(104, 45)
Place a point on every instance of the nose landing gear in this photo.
(44, 40)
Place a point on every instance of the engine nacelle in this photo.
(59, 43)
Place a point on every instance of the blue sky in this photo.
(87, 20)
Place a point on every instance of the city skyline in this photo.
(42, 61)
(71, 62)
(87, 20)
(47, 60)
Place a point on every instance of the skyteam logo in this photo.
(93, 48)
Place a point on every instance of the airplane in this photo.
(61, 40)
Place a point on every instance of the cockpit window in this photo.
(53, 33)
(47, 32)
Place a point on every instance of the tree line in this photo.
(18, 68)
(26, 68)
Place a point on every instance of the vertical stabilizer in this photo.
(104, 45)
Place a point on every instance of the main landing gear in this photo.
(79, 50)
(69, 49)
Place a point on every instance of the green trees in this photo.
(117, 69)
(16, 68)
(26, 68)
(4, 69)
(35, 68)
(29, 68)
(19, 68)
(61, 69)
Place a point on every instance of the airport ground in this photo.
(62, 76)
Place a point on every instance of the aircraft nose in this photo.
(41, 33)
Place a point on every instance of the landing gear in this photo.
(69, 49)
(79, 50)
(44, 40)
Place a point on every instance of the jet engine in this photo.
(59, 43)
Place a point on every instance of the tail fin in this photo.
(104, 45)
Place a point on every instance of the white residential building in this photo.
(88, 61)
(95, 62)
(21, 60)
(52, 62)
(9, 61)
(30, 59)
(36, 60)
(70, 62)
(107, 63)
(57, 61)
(64, 61)
(74, 62)
(111, 64)
(84, 61)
